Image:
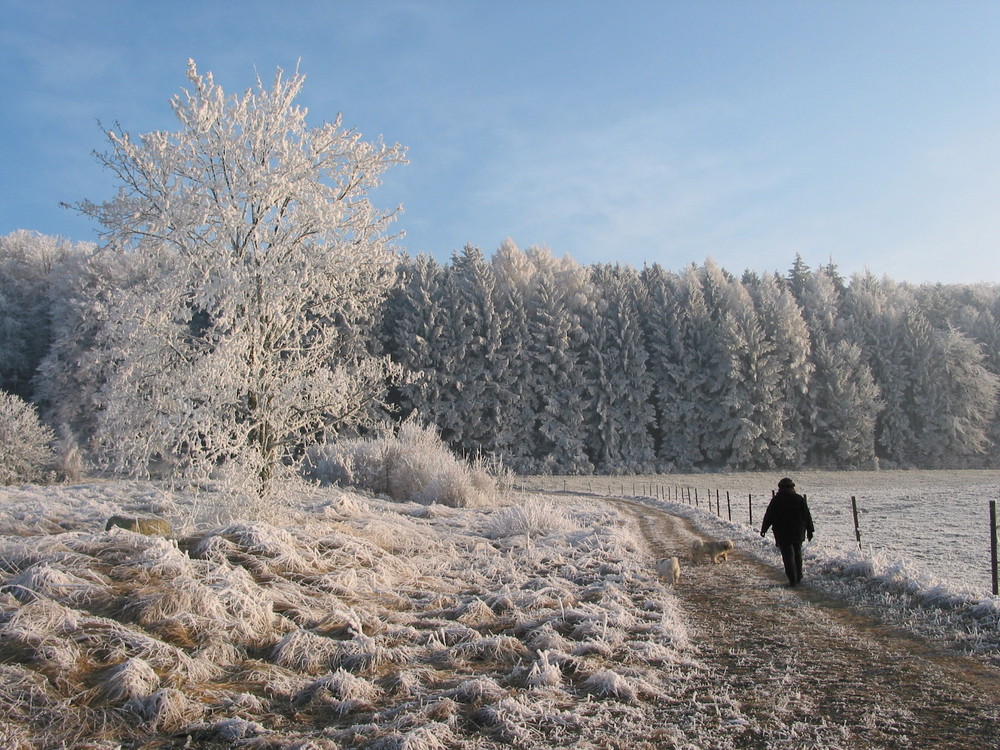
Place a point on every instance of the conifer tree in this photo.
(847, 405)
(783, 325)
(467, 414)
(619, 412)
(412, 327)
(513, 275)
(32, 268)
(753, 401)
(555, 340)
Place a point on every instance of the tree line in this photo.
(247, 301)
(553, 366)
(565, 368)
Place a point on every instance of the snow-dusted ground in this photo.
(931, 526)
(353, 621)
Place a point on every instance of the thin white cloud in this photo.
(631, 187)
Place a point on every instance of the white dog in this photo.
(669, 567)
(717, 550)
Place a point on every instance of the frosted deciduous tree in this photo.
(260, 248)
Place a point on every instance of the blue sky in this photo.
(640, 132)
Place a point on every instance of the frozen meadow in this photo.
(354, 622)
(350, 620)
(933, 527)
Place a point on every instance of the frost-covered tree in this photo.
(798, 278)
(783, 325)
(259, 249)
(939, 397)
(688, 365)
(976, 319)
(514, 279)
(32, 266)
(553, 351)
(876, 319)
(466, 414)
(846, 403)
(412, 328)
(754, 394)
(959, 404)
(85, 303)
(619, 415)
(732, 333)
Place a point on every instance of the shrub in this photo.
(26, 455)
(532, 517)
(414, 465)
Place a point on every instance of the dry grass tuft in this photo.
(304, 651)
(531, 517)
(130, 679)
(166, 710)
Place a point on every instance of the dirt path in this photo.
(807, 671)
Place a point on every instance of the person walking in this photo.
(788, 516)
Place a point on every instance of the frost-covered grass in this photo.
(355, 622)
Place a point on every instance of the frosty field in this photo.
(346, 620)
(934, 525)
(353, 622)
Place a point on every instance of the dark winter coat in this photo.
(789, 516)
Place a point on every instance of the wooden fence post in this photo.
(993, 544)
(729, 506)
(857, 528)
(750, 508)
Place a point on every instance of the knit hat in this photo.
(786, 483)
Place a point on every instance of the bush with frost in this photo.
(26, 455)
(413, 465)
(532, 517)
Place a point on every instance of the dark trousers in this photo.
(791, 556)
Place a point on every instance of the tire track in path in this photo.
(808, 670)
